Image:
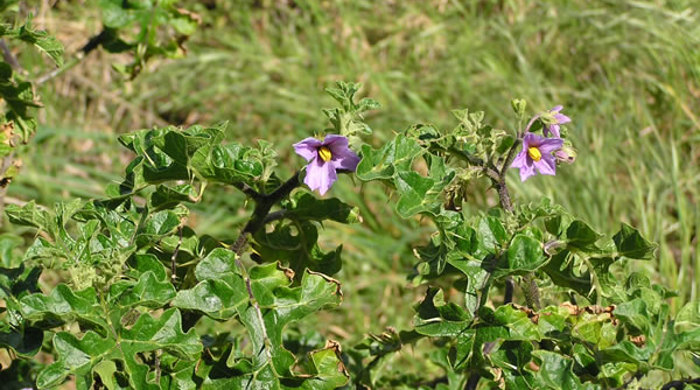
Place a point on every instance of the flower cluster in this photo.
(540, 154)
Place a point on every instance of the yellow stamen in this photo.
(534, 154)
(325, 153)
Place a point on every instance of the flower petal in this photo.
(531, 139)
(320, 175)
(561, 118)
(308, 148)
(527, 170)
(335, 140)
(546, 166)
(552, 129)
(556, 108)
(345, 159)
(548, 145)
(520, 160)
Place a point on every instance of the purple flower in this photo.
(325, 158)
(537, 153)
(552, 119)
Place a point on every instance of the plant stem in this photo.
(498, 180)
(596, 282)
(680, 384)
(508, 295)
(9, 57)
(261, 215)
(93, 43)
(263, 204)
(5, 164)
(510, 156)
(472, 382)
(503, 194)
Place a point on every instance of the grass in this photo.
(627, 72)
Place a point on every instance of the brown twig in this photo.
(508, 295)
(9, 57)
(263, 204)
(680, 384)
(498, 181)
(260, 215)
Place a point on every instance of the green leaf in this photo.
(169, 153)
(634, 314)
(218, 262)
(563, 273)
(304, 206)
(435, 317)
(148, 335)
(75, 357)
(16, 283)
(215, 298)
(114, 15)
(521, 327)
(688, 317)
(394, 157)
(231, 163)
(557, 224)
(625, 351)
(631, 244)
(64, 305)
(281, 305)
(184, 25)
(325, 368)
(552, 321)
(295, 245)
(477, 278)
(473, 345)
(221, 292)
(596, 329)
(555, 370)
(141, 264)
(491, 235)
(512, 354)
(29, 215)
(149, 291)
(152, 334)
(581, 236)
(43, 41)
(524, 255)
(25, 342)
(159, 224)
(505, 144)
(413, 189)
(166, 197)
(106, 370)
(423, 194)
(616, 374)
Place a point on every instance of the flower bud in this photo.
(553, 247)
(518, 106)
(566, 154)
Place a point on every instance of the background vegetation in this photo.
(627, 72)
